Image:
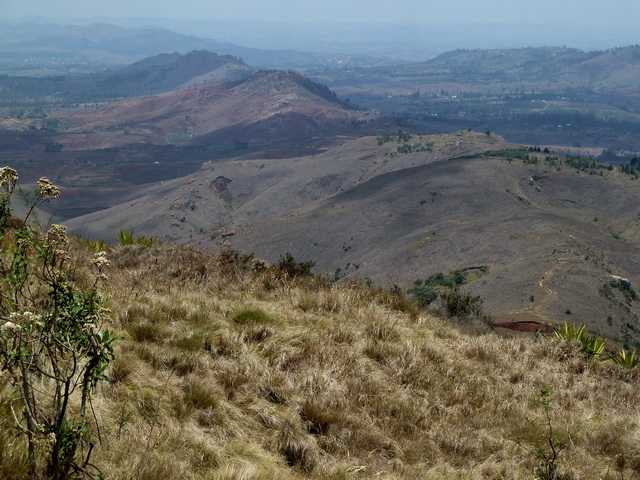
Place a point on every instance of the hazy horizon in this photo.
(406, 30)
(577, 12)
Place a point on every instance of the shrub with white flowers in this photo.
(54, 344)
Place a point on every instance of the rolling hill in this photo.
(544, 235)
(603, 71)
(264, 106)
(157, 74)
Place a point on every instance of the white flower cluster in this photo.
(57, 236)
(9, 326)
(18, 319)
(8, 178)
(47, 190)
(101, 262)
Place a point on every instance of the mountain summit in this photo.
(245, 109)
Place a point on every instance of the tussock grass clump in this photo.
(122, 368)
(148, 332)
(200, 395)
(297, 449)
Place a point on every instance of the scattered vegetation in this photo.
(400, 137)
(594, 347)
(462, 305)
(404, 139)
(407, 148)
(586, 164)
(624, 286)
(534, 156)
(509, 154)
(127, 238)
(290, 267)
(626, 359)
(425, 292)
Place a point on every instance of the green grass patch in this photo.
(250, 317)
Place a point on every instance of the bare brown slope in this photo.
(200, 207)
(551, 244)
(188, 114)
(551, 239)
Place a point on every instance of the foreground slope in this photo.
(225, 373)
(547, 235)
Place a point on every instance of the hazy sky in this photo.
(584, 12)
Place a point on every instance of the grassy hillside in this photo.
(227, 369)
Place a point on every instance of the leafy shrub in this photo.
(462, 305)
(423, 293)
(451, 280)
(294, 269)
(54, 347)
(625, 287)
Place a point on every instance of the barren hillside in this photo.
(546, 233)
(272, 101)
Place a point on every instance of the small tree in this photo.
(54, 348)
(462, 305)
(548, 467)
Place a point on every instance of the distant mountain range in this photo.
(611, 69)
(150, 76)
(30, 49)
(543, 68)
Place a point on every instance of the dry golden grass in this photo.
(228, 373)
